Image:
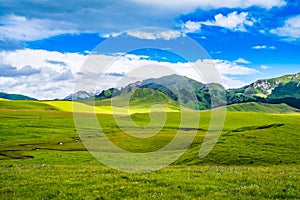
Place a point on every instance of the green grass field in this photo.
(256, 157)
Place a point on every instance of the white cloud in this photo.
(242, 61)
(259, 47)
(208, 70)
(55, 73)
(103, 17)
(24, 29)
(54, 77)
(40, 58)
(230, 82)
(290, 30)
(265, 67)
(208, 4)
(263, 47)
(234, 21)
(190, 27)
(231, 68)
(154, 35)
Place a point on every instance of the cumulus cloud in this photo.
(10, 71)
(232, 82)
(290, 30)
(108, 18)
(29, 71)
(21, 28)
(234, 21)
(207, 4)
(231, 68)
(190, 27)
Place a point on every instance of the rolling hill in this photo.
(4, 95)
(261, 107)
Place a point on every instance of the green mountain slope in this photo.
(284, 89)
(173, 90)
(4, 95)
(261, 107)
(195, 95)
(138, 98)
(266, 87)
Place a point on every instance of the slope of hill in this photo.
(261, 107)
(4, 95)
(25, 105)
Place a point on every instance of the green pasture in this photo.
(42, 156)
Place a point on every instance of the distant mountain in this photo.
(80, 95)
(274, 87)
(15, 96)
(172, 90)
(110, 93)
(284, 89)
(175, 89)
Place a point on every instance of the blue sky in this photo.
(43, 44)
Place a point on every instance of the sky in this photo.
(45, 45)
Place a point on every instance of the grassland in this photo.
(262, 107)
(41, 157)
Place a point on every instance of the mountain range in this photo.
(283, 89)
(175, 90)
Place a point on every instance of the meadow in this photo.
(41, 156)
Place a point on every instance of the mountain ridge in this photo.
(175, 89)
(283, 89)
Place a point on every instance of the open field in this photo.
(256, 157)
(67, 106)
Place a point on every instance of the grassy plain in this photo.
(256, 157)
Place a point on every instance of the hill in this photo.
(4, 95)
(25, 105)
(261, 107)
